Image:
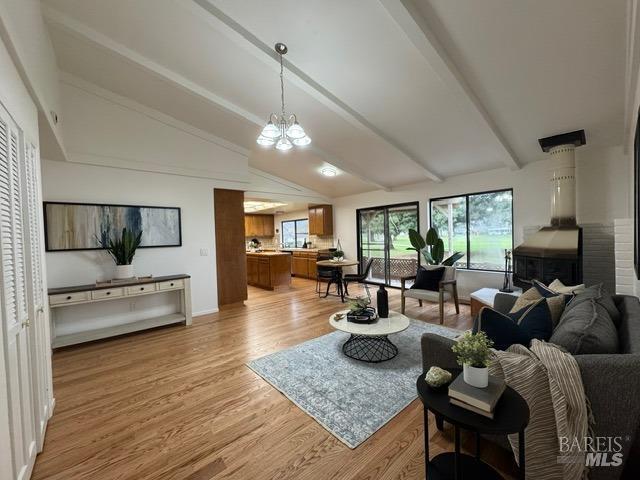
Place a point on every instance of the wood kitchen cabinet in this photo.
(303, 264)
(268, 269)
(300, 264)
(258, 225)
(321, 220)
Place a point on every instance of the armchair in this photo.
(448, 289)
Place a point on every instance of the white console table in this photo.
(78, 313)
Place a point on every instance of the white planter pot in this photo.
(476, 377)
(124, 271)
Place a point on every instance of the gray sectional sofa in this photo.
(611, 381)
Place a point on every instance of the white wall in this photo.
(64, 181)
(27, 37)
(602, 192)
(15, 97)
(121, 152)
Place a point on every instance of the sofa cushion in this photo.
(548, 292)
(428, 279)
(533, 321)
(586, 329)
(426, 295)
(555, 303)
(558, 286)
(602, 297)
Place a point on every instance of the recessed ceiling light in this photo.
(328, 171)
(255, 206)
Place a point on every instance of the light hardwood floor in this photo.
(179, 403)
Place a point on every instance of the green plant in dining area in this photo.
(338, 254)
(432, 248)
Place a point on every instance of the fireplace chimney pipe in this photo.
(563, 175)
(563, 186)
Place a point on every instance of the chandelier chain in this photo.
(282, 85)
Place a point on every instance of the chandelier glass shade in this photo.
(283, 130)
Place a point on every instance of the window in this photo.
(478, 224)
(383, 235)
(294, 232)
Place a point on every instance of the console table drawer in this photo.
(110, 293)
(69, 298)
(171, 285)
(147, 287)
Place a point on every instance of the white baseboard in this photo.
(205, 312)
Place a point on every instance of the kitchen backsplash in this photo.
(317, 242)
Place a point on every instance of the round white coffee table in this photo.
(370, 342)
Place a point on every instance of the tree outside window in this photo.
(481, 225)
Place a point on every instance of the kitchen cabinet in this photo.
(321, 220)
(268, 269)
(300, 265)
(258, 225)
(312, 268)
(303, 264)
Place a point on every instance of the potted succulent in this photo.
(122, 249)
(360, 311)
(473, 351)
(338, 255)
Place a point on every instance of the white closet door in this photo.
(14, 299)
(40, 332)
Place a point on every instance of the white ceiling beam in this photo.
(85, 33)
(415, 27)
(266, 53)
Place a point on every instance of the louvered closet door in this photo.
(40, 331)
(15, 314)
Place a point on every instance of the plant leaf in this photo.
(453, 259)
(432, 236)
(437, 251)
(416, 240)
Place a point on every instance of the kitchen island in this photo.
(268, 269)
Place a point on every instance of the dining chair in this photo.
(359, 278)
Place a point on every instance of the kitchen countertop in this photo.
(302, 249)
(267, 254)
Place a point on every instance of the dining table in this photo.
(337, 265)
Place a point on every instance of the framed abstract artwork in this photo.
(80, 226)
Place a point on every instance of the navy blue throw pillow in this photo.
(428, 279)
(533, 321)
(546, 292)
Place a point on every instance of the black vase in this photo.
(383, 302)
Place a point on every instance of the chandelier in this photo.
(281, 130)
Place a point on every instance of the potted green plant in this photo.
(122, 249)
(473, 353)
(432, 248)
(338, 255)
(358, 304)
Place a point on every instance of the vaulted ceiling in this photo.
(392, 92)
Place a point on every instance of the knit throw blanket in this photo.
(550, 382)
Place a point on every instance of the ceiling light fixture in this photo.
(328, 171)
(282, 131)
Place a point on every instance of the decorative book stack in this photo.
(478, 400)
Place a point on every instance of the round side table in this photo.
(511, 415)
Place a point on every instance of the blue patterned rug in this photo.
(351, 399)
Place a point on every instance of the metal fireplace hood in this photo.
(551, 242)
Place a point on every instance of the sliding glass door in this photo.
(383, 235)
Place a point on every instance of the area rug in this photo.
(351, 399)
